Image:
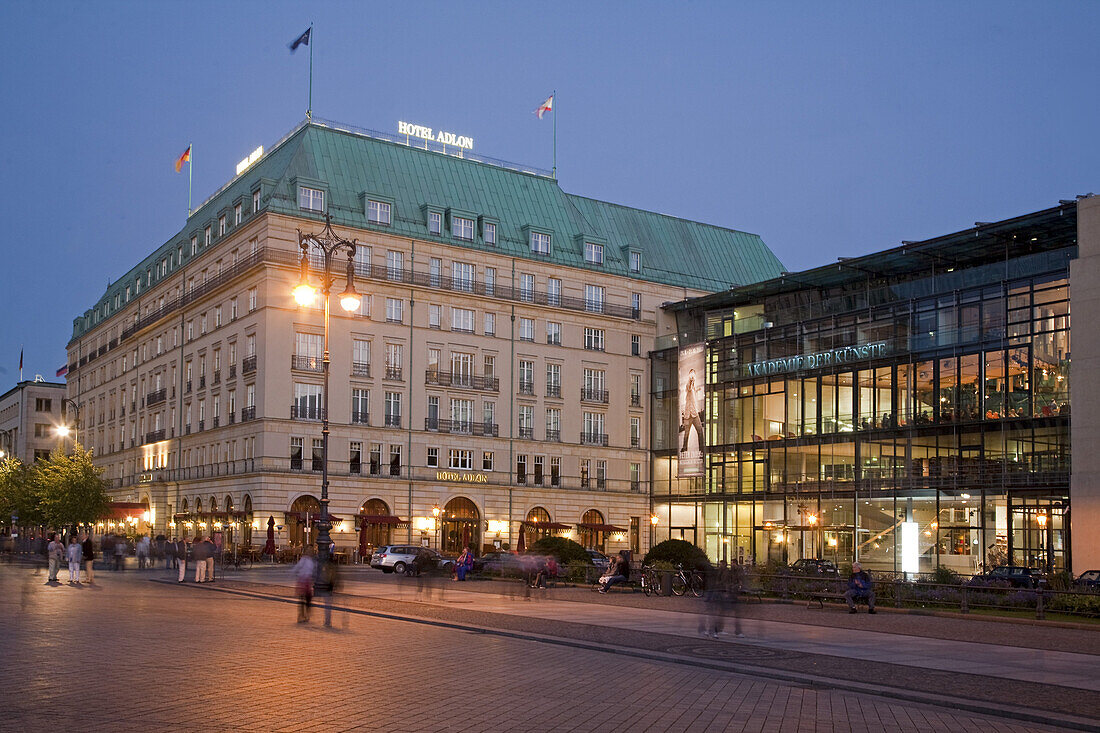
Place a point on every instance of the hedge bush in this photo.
(678, 552)
(565, 550)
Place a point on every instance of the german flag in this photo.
(183, 159)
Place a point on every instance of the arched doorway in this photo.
(374, 533)
(537, 525)
(227, 522)
(591, 538)
(246, 529)
(461, 526)
(304, 509)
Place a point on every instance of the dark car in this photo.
(815, 568)
(495, 562)
(1017, 576)
(1090, 580)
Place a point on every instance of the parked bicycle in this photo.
(236, 563)
(651, 580)
(687, 580)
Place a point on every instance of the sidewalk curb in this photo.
(969, 705)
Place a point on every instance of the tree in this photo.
(17, 495)
(69, 489)
(565, 550)
(678, 552)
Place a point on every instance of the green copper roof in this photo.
(352, 167)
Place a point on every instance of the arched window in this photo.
(461, 526)
(302, 512)
(246, 534)
(537, 525)
(592, 537)
(373, 534)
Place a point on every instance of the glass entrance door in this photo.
(1038, 536)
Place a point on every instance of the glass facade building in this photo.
(909, 409)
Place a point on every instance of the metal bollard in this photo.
(666, 583)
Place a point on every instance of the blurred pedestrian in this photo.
(88, 548)
(142, 551)
(120, 547)
(172, 554)
(75, 555)
(304, 572)
(722, 596)
(198, 555)
(54, 552)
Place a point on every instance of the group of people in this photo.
(200, 552)
(79, 553)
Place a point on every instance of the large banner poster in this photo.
(691, 379)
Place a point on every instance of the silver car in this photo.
(398, 558)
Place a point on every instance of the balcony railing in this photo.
(306, 412)
(527, 433)
(217, 376)
(594, 394)
(393, 421)
(306, 363)
(217, 420)
(593, 438)
(360, 418)
(248, 364)
(461, 427)
(157, 396)
(521, 478)
(187, 387)
(202, 425)
(394, 373)
(154, 436)
(635, 441)
(202, 382)
(553, 436)
(248, 413)
(635, 400)
(461, 380)
(553, 390)
(527, 388)
(360, 369)
(232, 371)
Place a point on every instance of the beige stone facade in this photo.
(30, 413)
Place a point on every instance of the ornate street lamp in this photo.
(330, 245)
(62, 431)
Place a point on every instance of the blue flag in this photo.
(302, 40)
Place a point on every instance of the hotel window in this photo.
(433, 315)
(355, 457)
(490, 324)
(526, 377)
(635, 475)
(395, 460)
(311, 199)
(593, 253)
(555, 470)
(593, 339)
(296, 449)
(462, 276)
(307, 401)
(462, 319)
(250, 395)
(553, 423)
(207, 236)
(360, 406)
(490, 233)
(635, 345)
(526, 329)
(593, 298)
(462, 368)
(521, 469)
(202, 321)
(393, 409)
(462, 414)
(255, 201)
(553, 380)
(362, 260)
(250, 345)
(237, 213)
(540, 462)
(461, 459)
(218, 317)
(490, 280)
(553, 333)
(527, 287)
(375, 459)
(636, 390)
(379, 212)
(636, 304)
(433, 458)
(489, 412)
(635, 432)
(487, 461)
(601, 474)
(584, 465)
(433, 361)
(553, 291)
(251, 299)
(593, 423)
(194, 249)
(395, 357)
(364, 306)
(233, 309)
(462, 228)
(540, 243)
(635, 261)
(435, 222)
(435, 266)
(395, 310)
(490, 366)
(526, 421)
(432, 422)
(395, 265)
(307, 350)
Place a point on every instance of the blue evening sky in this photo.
(830, 129)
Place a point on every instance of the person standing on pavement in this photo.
(859, 587)
(211, 552)
(171, 554)
(88, 551)
(198, 555)
(75, 555)
(304, 572)
(54, 552)
(181, 556)
(143, 552)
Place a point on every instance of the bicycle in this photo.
(651, 581)
(236, 563)
(687, 580)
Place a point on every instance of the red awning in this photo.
(313, 518)
(125, 510)
(547, 525)
(381, 519)
(600, 527)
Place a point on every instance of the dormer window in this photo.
(593, 253)
(635, 261)
(540, 243)
(379, 212)
(435, 222)
(208, 236)
(311, 199)
(238, 213)
(462, 228)
(255, 201)
(490, 233)
(221, 225)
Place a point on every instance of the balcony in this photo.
(593, 394)
(202, 425)
(461, 380)
(306, 412)
(187, 429)
(461, 427)
(635, 400)
(187, 387)
(635, 441)
(527, 388)
(393, 421)
(593, 438)
(232, 417)
(217, 420)
(217, 376)
(232, 371)
(306, 363)
(360, 418)
(248, 365)
(248, 413)
(394, 373)
(526, 432)
(553, 436)
(635, 485)
(154, 436)
(202, 382)
(360, 369)
(521, 478)
(553, 390)
(156, 397)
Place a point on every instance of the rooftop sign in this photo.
(820, 360)
(252, 158)
(426, 133)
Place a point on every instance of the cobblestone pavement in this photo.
(130, 654)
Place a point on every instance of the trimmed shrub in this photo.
(566, 551)
(678, 552)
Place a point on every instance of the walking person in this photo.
(88, 550)
(171, 554)
(120, 547)
(54, 552)
(723, 587)
(143, 547)
(304, 572)
(181, 557)
(198, 555)
(75, 554)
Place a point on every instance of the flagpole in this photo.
(190, 168)
(309, 110)
(554, 112)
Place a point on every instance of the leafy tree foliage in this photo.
(565, 550)
(17, 493)
(678, 552)
(68, 489)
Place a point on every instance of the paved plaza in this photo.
(138, 652)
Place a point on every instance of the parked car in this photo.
(599, 559)
(397, 558)
(1017, 576)
(815, 568)
(1090, 579)
(494, 562)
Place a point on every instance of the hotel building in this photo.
(493, 381)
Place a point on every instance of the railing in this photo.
(248, 364)
(461, 427)
(157, 396)
(635, 400)
(360, 369)
(593, 438)
(202, 425)
(187, 387)
(306, 363)
(553, 436)
(553, 390)
(306, 412)
(393, 421)
(232, 371)
(521, 478)
(232, 418)
(635, 441)
(248, 413)
(217, 376)
(202, 382)
(593, 394)
(360, 418)
(461, 380)
(217, 420)
(526, 432)
(154, 436)
(394, 373)
(527, 388)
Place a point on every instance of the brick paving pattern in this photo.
(133, 655)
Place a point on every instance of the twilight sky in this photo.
(830, 129)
